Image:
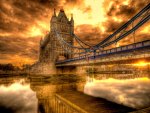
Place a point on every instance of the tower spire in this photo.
(54, 12)
(41, 41)
(62, 9)
(71, 16)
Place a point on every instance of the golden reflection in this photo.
(15, 86)
(143, 78)
(113, 80)
(125, 90)
(142, 63)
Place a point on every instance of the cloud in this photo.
(18, 49)
(119, 12)
(133, 93)
(24, 22)
(90, 33)
(19, 16)
(18, 98)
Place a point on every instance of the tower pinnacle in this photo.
(71, 16)
(62, 9)
(54, 12)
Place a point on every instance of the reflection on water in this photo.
(46, 89)
(126, 90)
(37, 94)
(17, 98)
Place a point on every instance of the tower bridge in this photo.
(59, 54)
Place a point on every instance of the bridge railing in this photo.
(121, 49)
(62, 105)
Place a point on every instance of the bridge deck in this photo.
(130, 52)
(93, 104)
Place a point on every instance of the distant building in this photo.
(50, 49)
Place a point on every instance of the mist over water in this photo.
(17, 98)
(134, 93)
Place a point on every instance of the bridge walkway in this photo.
(89, 104)
(131, 53)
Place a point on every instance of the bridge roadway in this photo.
(122, 55)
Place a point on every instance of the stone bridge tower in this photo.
(50, 49)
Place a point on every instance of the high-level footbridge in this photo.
(86, 54)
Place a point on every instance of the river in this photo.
(35, 94)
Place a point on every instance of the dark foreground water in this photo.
(33, 94)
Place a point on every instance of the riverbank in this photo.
(13, 74)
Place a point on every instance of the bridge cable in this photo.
(79, 43)
(128, 32)
(81, 40)
(125, 25)
(66, 43)
(121, 36)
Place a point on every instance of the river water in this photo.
(32, 94)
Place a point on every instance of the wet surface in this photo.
(37, 94)
(133, 93)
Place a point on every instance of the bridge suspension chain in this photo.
(119, 34)
(143, 11)
(69, 48)
(128, 32)
(60, 39)
(76, 37)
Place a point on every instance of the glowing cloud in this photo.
(30, 19)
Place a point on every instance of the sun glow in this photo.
(44, 25)
(94, 20)
(94, 16)
(117, 44)
(142, 63)
(117, 19)
(126, 2)
(18, 60)
(144, 78)
(146, 29)
(35, 31)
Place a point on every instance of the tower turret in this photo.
(54, 12)
(72, 20)
(72, 24)
(53, 21)
(51, 50)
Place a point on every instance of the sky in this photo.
(24, 22)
